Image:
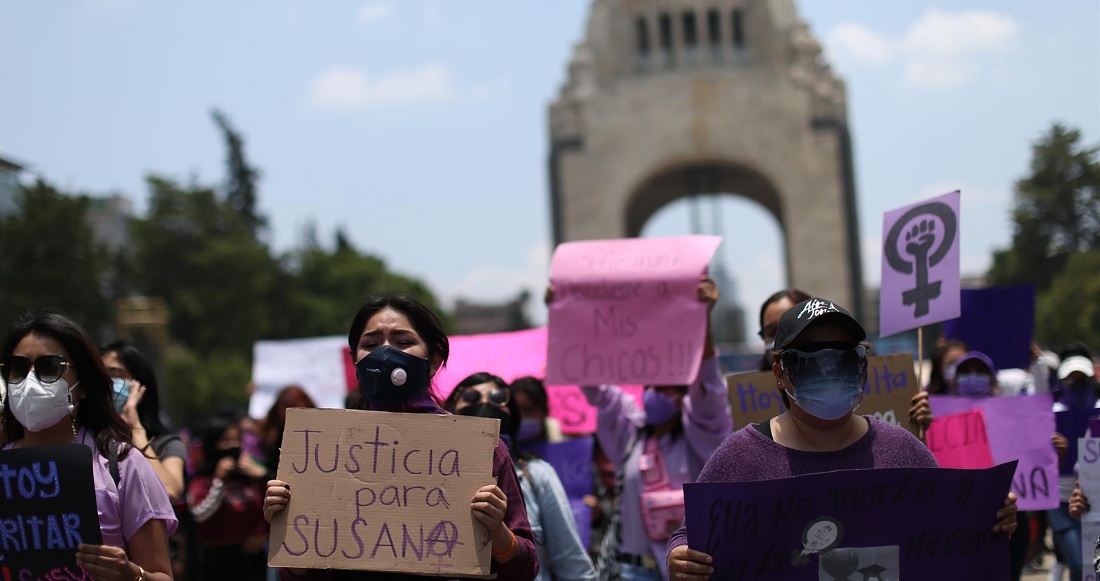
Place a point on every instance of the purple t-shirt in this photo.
(138, 488)
(748, 455)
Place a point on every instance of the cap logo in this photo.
(816, 308)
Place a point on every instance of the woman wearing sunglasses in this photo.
(59, 393)
(561, 554)
(821, 365)
(398, 345)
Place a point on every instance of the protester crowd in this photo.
(198, 503)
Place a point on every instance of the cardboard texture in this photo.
(47, 508)
(384, 492)
(627, 311)
(891, 384)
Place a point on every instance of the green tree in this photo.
(241, 178)
(1069, 309)
(49, 259)
(1056, 213)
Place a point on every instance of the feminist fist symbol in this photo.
(919, 240)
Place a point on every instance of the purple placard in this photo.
(908, 523)
(572, 460)
(1019, 428)
(920, 265)
(998, 321)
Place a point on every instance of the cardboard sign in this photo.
(960, 440)
(47, 508)
(315, 364)
(907, 523)
(998, 321)
(628, 311)
(1019, 428)
(920, 265)
(383, 492)
(891, 384)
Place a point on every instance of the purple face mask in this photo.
(659, 408)
(974, 384)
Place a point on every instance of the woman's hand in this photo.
(276, 499)
(106, 563)
(1060, 443)
(224, 467)
(129, 409)
(684, 563)
(250, 467)
(489, 505)
(1078, 502)
(1006, 517)
(920, 411)
(708, 292)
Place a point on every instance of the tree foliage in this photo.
(241, 177)
(1056, 212)
(1056, 238)
(49, 259)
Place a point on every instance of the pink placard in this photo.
(569, 406)
(960, 440)
(627, 311)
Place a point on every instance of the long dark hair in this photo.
(422, 319)
(96, 411)
(140, 369)
(210, 436)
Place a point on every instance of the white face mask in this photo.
(38, 406)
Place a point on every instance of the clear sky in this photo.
(420, 125)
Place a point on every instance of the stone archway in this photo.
(670, 98)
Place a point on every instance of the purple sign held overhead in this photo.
(998, 321)
(920, 265)
(907, 523)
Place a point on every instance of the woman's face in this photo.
(487, 392)
(527, 409)
(391, 327)
(770, 322)
(33, 346)
(115, 366)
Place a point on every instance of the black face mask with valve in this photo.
(389, 375)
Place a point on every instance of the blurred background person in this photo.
(943, 357)
(561, 553)
(774, 306)
(226, 501)
(536, 426)
(270, 429)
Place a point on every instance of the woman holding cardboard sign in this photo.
(657, 448)
(59, 393)
(822, 365)
(398, 345)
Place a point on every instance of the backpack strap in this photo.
(112, 463)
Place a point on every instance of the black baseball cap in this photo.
(811, 311)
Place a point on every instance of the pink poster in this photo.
(569, 406)
(627, 311)
(960, 440)
(920, 265)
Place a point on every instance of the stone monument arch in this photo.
(666, 99)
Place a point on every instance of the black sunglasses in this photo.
(498, 396)
(48, 368)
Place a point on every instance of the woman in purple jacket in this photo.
(821, 364)
(398, 345)
(669, 441)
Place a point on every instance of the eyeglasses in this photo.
(767, 333)
(496, 396)
(824, 360)
(48, 368)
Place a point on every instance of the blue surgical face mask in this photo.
(122, 392)
(828, 383)
(974, 384)
(659, 408)
(529, 429)
(390, 375)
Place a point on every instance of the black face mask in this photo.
(495, 412)
(234, 453)
(390, 375)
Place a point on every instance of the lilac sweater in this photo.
(748, 455)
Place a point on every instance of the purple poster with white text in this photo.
(1019, 428)
(920, 265)
(887, 523)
